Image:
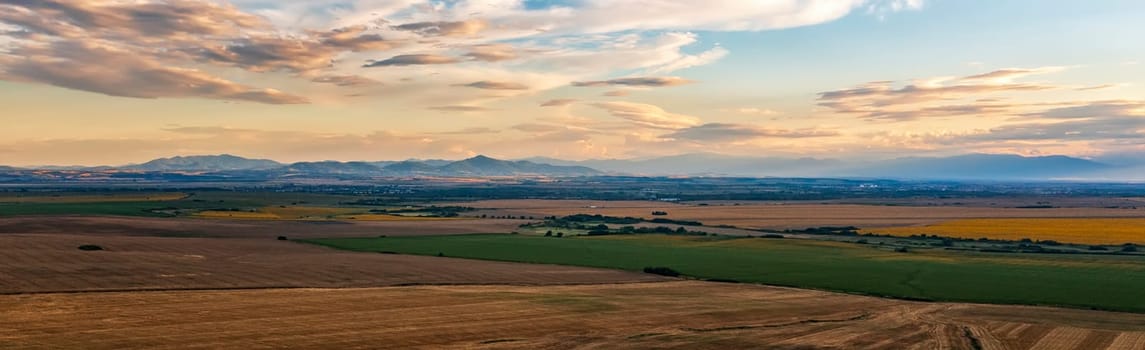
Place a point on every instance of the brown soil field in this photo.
(38, 255)
(666, 315)
(780, 216)
(94, 198)
(194, 227)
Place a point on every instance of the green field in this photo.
(1106, 283)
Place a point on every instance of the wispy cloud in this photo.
(412, 60)
(461, 108)
(559, 102)
(444, 28)
(496, 85)
(733, 132)
(345, 80)
(636, 81)
(107, 70)
(648, 115)
(881, 100)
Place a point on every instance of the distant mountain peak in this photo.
(220, 162)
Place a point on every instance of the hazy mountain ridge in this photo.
(973, 166)
(222, 162)
(986, 167)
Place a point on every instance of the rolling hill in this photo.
(222, 162)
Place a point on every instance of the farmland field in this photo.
(140, 255)
(1110, 283)
(786, 216)
(694, 315)
(91, 198)
(1074, 230)
(161, 204)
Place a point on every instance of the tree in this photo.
(549, 233)
(663, 271)
(560, 234)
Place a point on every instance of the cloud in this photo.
(492, 52)
(616, 93)
(1097, 87)
(410, 60)
(734, 132)
(647, 115)
(689, 61)
(559, 102)
(1096, 109)
(312, 51)
(461, 108)
(496, 85)
(345, 80)
(570, 40)
(881, 100)
(637, 82)
(172, 19)
(110, 71)
(750, 111)
(440, 28)
(471, 131)
(538, 128)
(1009, 74)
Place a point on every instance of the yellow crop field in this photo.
(226, 214)
(94, 198)
(1071, 230)
(292, 212)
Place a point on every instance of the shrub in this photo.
(663, 271)
(89, 247)
(282, 238)
(659, 213)
(1129, 247)
(902, 250)
(560, 234)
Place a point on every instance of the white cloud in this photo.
(648, 115)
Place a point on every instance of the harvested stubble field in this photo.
(788, 216)
(1084, 230)
(223, 228)
(693, 315)
(91, 198)
(311, 214)
(42, 258)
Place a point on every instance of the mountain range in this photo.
(999, 167)
(476, 166)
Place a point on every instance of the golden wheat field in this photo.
(1066, 230)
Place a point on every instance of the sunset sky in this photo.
(88, 82)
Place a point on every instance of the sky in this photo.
(97, 82)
